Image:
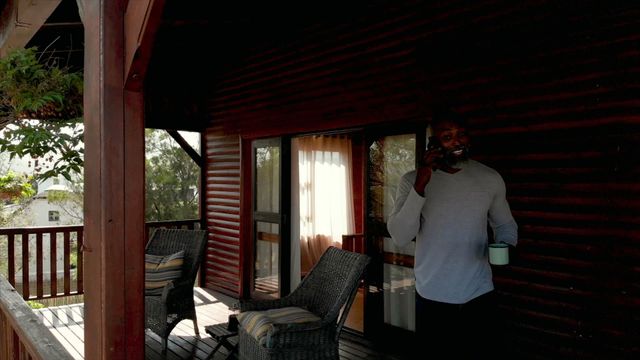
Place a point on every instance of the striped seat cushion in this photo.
(259, 324)
(160, 270)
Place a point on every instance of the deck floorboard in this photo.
(67, 325)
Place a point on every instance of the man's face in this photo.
(454, 140)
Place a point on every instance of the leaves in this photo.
(14, 188)
(56, 149)
(32, 90)
(40, 109)
(171, 180)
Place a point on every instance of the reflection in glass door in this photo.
(392, 290)
(269, 234)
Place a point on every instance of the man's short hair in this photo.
(442, 115)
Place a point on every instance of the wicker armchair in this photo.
(163, 312)
(327, 292)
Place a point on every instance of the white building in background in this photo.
(46, 213)
(41, 212)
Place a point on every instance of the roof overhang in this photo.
(20, 20)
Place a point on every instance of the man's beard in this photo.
(451, 159)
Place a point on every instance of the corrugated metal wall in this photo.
(553, 91)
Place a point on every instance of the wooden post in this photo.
(135, 227)
(114, 192)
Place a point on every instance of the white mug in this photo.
(498, 254)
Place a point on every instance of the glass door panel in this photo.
(267, 162)
(267, 262)
(391, 293)
(270, 254)
(390, 157)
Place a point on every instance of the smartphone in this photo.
(434, 143)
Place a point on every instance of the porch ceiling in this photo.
(53, 26)
(61, 37)
(182, 70)
(180, 74)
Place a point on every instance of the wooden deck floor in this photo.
(67, 324)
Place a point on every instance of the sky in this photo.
(192, 138)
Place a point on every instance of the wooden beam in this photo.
(114, 188)
(202, 208)
(141, 22)
(135, 227)
(246, 223)
(92, 189)
(186, 147)
(20, 20)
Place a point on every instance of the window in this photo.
(54, 215)
(56, 181)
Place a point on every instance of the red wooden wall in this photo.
(553, 92)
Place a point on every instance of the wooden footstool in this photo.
(223, 336)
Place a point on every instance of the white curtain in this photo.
(321, 196)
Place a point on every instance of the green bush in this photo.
(35, 305)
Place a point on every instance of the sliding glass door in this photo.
(390, 306)
(270, 270)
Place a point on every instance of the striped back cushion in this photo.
(160, 270)
(259, 324)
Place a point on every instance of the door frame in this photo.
(281, 218)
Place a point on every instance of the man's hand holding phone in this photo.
(432, 160)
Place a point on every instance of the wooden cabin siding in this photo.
(552, 90)
(223, 213)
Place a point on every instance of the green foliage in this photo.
(35, 305)
(73, 259)
(14, 187)
(56, 148)
(33, 90)
(171, 180)
(40, 110)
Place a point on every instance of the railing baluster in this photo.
(80, 267)
(11, 264)
(72, 284)
(25, 265)
(3, 333)
(23, 352)
(15, 343)
(39, 266)
(53, 257)
(67, 263)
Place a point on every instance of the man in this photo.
(445, 205)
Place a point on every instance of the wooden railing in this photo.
(175, 224)
(22, 333)
(21, 244)
(25, 249)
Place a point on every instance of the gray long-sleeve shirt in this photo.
(450, 227)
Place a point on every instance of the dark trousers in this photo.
(458, 331)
